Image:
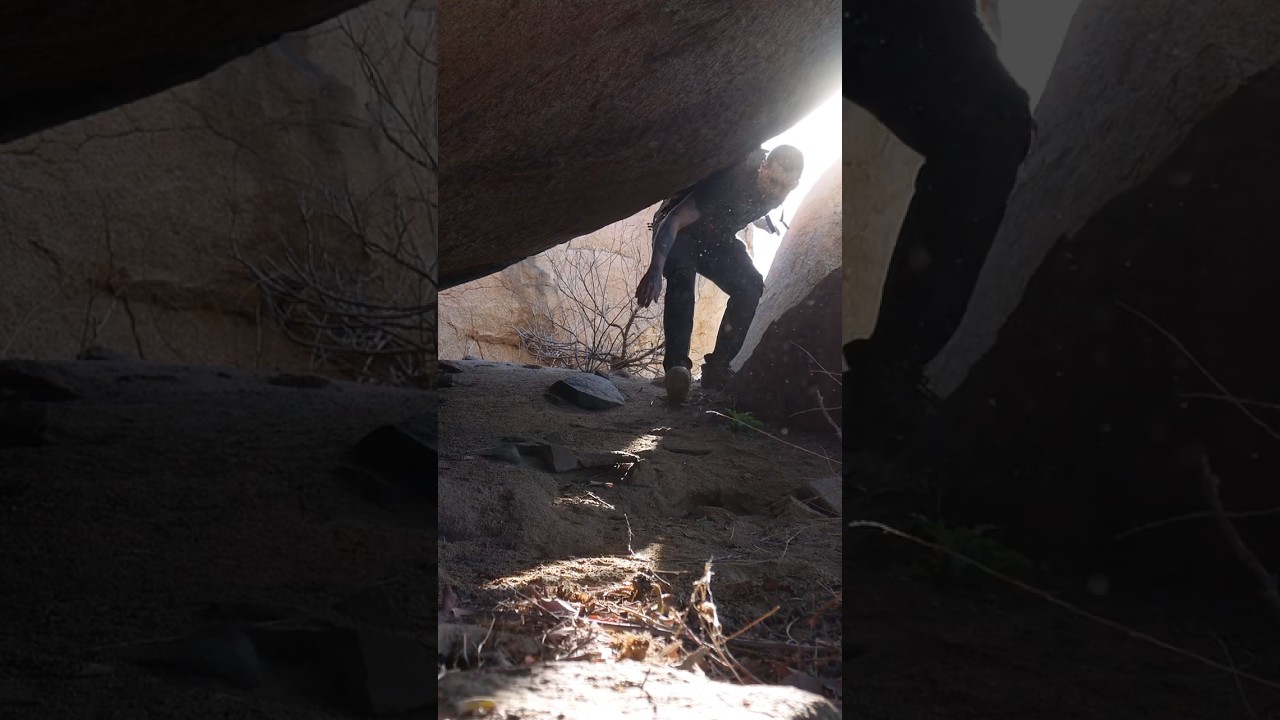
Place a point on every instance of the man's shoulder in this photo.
(727, 178)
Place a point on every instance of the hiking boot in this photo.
(715, 377)
(677, 381)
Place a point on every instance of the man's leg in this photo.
(677, 311)
(954, 103)
(730, 267)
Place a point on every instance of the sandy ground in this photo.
(700, 492)
(161, 490)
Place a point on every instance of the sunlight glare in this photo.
(819, 137)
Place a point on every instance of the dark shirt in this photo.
(728, 200)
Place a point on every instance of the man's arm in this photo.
(680, 217)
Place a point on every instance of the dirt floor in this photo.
(932, 640)
(141, 502)
(519, 543)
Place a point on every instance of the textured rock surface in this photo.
(795, 337)
(116, 230)
(481, 318)
(1085, 419)
(879, 177)
(589, 391)
(625, 690)
(64, 60)
(1129, 85)
(558, 119)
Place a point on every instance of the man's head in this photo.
(780, 171)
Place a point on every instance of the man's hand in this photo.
(650, 287)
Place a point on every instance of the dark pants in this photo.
(725, 263)
(927, 70)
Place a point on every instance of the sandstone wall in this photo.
(480, 318)
(118, 229)
(879, 180)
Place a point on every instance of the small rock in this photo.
(562, 460)
(28, 380)
(825, 494)
(622, 373)
(406, 451)
(503, 453)
(589, 391)
(555, 458)
(531, 366)
(447, 367)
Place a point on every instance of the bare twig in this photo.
(592, 322)
(1244, 699)
(1228, 398)
(1211, 484)
(1136, 634)
(775, 437)
(1226, 394)
(1233, 514)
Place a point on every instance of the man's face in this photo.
(776, 180)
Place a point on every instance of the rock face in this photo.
(558, 119)
(1210, 48)
(1140, 220)
(794, 340)
(118, 229)
(627, 690)
(65, 60)
(589, 391)
(483, 318)
(879, 177)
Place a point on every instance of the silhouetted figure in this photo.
(928, 70)
(695, 233)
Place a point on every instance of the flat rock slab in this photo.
(622, 691)
(34, 381)
(590, 391)
(825, 493)
(406, 450)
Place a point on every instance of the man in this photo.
(695, 233)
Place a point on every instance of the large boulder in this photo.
(64, 60)
(787, 369)
(1125, 303)
(879, 179)
(118, 229)
(559, 118)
